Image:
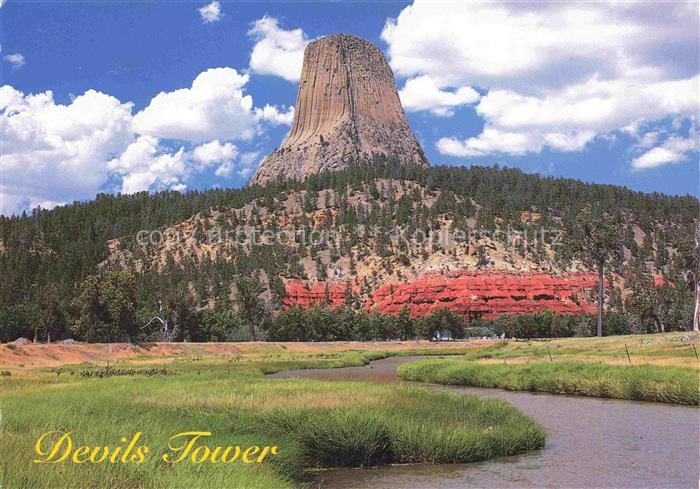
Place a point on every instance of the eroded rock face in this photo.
(488, 294)
(347, 108)
(473, 294)
(326, 294)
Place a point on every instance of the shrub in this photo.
(118, 372)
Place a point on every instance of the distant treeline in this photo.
(317, 324)
(344, 324)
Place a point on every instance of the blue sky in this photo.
(600, 92)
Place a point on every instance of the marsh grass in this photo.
(675, 349)
(669, 384)
(315, 423)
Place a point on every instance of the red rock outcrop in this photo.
(472, 294)
(327, 294)
(487, 294)
(347, 107)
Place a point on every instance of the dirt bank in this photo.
(40, 355)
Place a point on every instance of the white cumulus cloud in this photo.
(557, 74)
(211, 12)
(567, 119)
(277, 51)
(145, 164)
(423, 93)
(54, 153)
(214, 107)
(490, 141)
(595, 104)
(214, 152)
(674, 150)
(274, 116)
(530, 47)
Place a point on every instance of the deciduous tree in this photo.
(595, 238)
(250, 306)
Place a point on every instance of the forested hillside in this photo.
(83, 271)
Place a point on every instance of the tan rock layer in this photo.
(347, 108)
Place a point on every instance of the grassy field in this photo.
(662, 368)
(31, 356)
(678, 349)
(314, 423)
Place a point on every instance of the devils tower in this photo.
(347, 109)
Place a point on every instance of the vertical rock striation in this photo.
(347, 108)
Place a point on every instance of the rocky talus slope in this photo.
(347, 108)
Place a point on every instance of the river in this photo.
(591, 443)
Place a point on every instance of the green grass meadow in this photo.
(315, 424)
(674, 349)
(669, 384)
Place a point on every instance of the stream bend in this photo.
(591, 443)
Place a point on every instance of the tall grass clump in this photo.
(669, 384)
(458, 429)
(405, 425)
(337, 438)
(409, 425)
